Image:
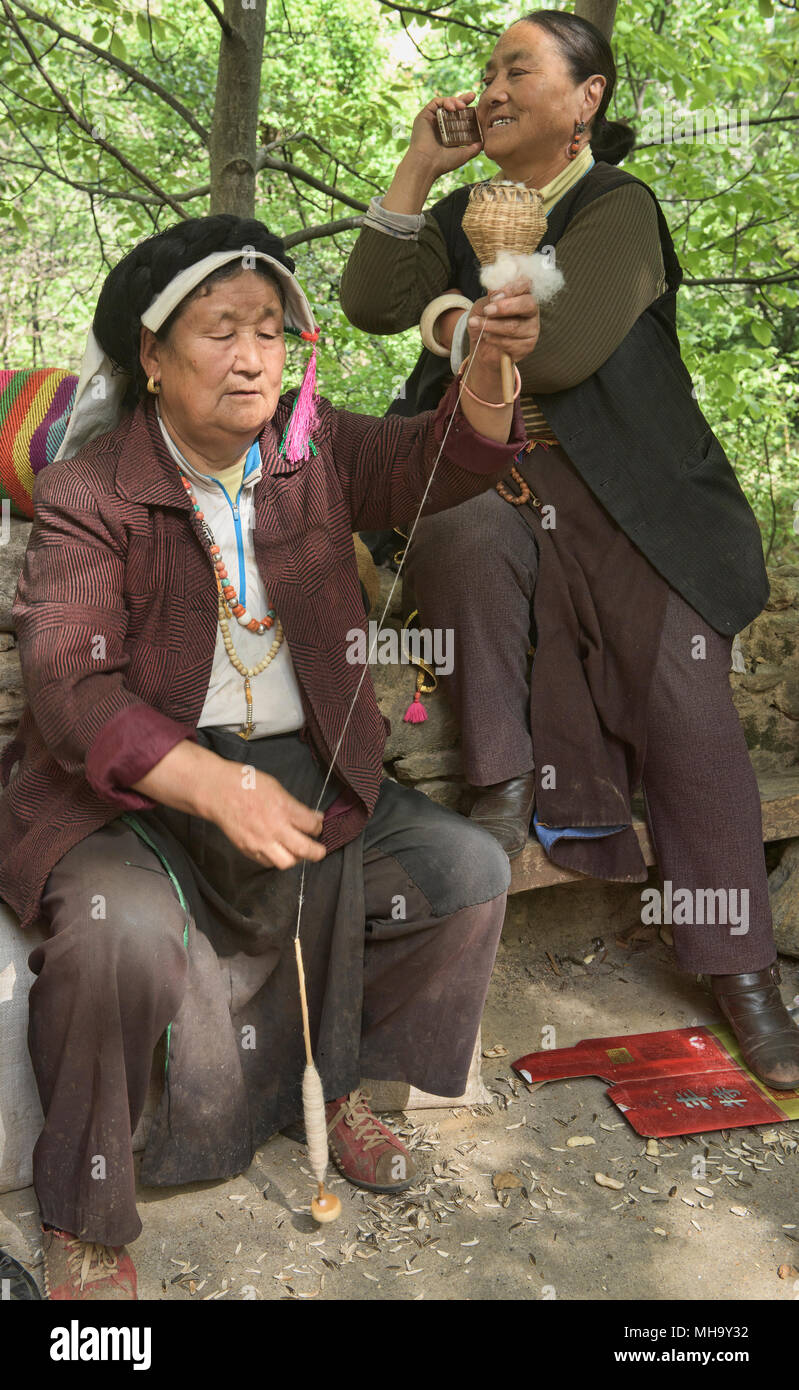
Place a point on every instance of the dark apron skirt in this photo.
(235, 1049)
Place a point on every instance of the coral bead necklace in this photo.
(229, 606)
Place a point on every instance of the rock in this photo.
(772, 636)
(772, 737)
(764, 677)
(446, 762)
(784, 583)
(395, 686)
(783, 886)
(12, 553)
(502, 1181)
(367, 572)
(12, 695)
(786, 697)
(766, 690)
(444, 793)
(386, 577)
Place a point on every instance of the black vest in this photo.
(635, 433)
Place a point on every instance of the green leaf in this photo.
(19, 221)
(143, 28)
(100, 35)
(118, 49)
(766, 8)
(761, 331)
(718, 33)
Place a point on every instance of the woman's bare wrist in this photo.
(410, 186)
(188, 778)
(484, 380)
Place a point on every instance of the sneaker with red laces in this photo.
(368, 1153)
(83, 1271)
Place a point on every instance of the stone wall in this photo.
(766, 691)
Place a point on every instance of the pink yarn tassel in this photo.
(416, 712)
(303, 417)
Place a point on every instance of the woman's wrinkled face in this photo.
(221, 366)
(529, 98)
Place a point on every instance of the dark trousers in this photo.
(111, 977)
(473, 570)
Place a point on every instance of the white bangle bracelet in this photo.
(432, 313)
(460, 341)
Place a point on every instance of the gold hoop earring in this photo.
(154, 387)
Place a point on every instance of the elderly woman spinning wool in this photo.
(183, 613)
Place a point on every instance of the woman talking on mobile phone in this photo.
(628, 556)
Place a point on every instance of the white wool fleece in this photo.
(540, 269)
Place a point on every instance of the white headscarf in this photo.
(102, 387)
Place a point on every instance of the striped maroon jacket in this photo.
(116, 613)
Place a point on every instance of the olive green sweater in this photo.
(612, 267)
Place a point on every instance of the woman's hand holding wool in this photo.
(506, 321)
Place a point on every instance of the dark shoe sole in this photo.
(486, 825)
(773, 1085)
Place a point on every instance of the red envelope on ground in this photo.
(682, 1081)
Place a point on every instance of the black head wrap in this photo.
(130, 288)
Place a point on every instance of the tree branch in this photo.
(433, 14)
(83, 125)
(710, 130)
(783, 278)
(281, 166)
(312, 140)
(108, 57)
(344, 224)
(223, 24)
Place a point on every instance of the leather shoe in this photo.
(768, 1038)
(505, 810)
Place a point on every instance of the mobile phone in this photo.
(458, 127)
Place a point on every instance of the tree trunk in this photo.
(600, 13)
(234, 130)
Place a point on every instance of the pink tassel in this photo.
(416, 712)
(304, 416)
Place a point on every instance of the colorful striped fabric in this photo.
(35, 407)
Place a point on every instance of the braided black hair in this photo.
(130, 288)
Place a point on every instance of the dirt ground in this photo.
(557, 1234)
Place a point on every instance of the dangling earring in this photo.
(574, 147)
(154, 387)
